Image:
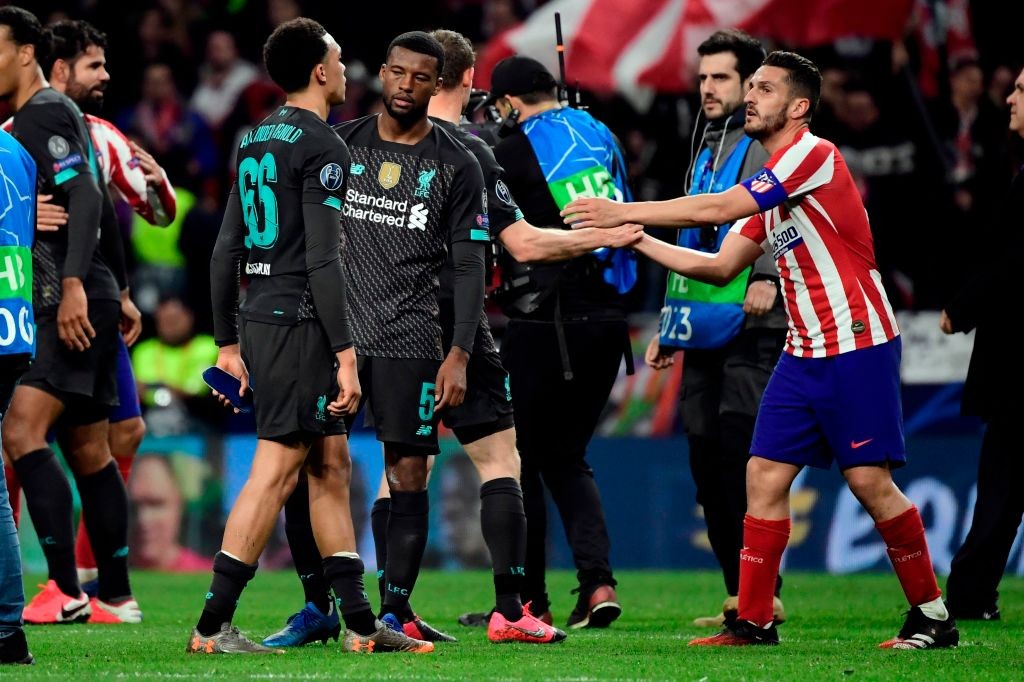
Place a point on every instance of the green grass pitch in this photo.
(835, 623)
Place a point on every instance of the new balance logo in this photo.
(424, 430)
(418, 217)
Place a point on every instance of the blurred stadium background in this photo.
(913, 96)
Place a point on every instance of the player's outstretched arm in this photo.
(700, 209)
(737, 253)
(529, 244)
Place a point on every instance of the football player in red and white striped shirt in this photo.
(835, 393)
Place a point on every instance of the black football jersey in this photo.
(501, 208)
(51, 127)
(291, 158)
(404, 204)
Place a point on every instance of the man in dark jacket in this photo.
(992, 392)
(731, 336)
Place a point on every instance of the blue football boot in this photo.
(308, 625)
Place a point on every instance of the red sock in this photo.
(13, 492)
(83, 549)
(763, 544)
(908, 551)
(124, 465)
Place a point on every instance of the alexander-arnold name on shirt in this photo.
(271, 131)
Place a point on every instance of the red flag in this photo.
(639, 47)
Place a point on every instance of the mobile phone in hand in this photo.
(227, 385)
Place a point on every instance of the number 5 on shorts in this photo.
(427, 401)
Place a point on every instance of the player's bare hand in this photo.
(229, 359)
(945, 324)
(592, 212)
(351, 392)
(151, 169)
(131, 320)
(760, 297)
(623, 236)
(655, 357)
(50, 217)
(450, 385)
(73, 324)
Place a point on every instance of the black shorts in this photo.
(398, 395)
(12, 368)
(85, 382)
(487, 408)
(294, 375)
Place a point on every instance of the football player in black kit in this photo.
(488, 393)
(413, 195)
(484, 423)
(290, 340)
(77, 301)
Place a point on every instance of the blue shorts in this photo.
(127, 393)
(845, 408)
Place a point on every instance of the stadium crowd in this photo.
(910, 118)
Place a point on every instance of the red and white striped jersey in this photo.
(814, 223)
(122, 173)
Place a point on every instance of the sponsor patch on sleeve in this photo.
(784, 239)
(67, 162)
(331, 176)
(501, 189)
(58, 147)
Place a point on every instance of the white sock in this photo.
(226, 553)
(935, 609)
(346, 555)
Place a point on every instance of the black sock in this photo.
(105, 511)
(346, 576)
(379, 515)
(503, 523)
(305, 553)
(407, 538)
(48, 497)
(230, 576)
